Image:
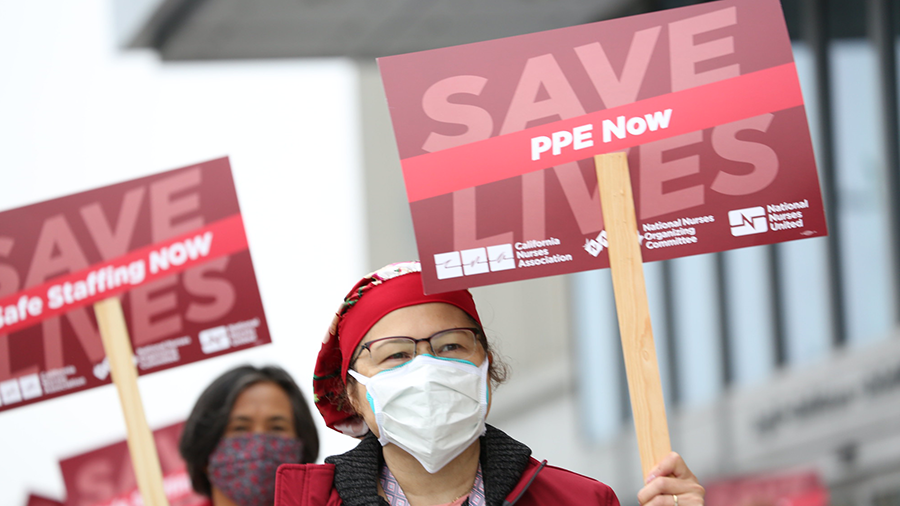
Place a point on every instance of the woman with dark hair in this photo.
(244, 425)
(413, 376)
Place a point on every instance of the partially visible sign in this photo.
(496, 141)
(105, 476)
(172, 245)
(787, 489)
(38, 500)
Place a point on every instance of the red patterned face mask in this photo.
(243, 467)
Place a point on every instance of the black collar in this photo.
(503, 460)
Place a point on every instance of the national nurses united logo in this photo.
(454, 264)
(751, 220)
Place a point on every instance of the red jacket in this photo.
(536, 483)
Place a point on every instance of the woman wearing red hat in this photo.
(412, 374)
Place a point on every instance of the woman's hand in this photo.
(671, 483)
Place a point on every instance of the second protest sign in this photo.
(171, 245)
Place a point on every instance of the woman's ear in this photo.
(350, 398)
(351, 389)
(355, 426)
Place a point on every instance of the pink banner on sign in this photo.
(110, 278)
(496, 141)
(658, 118)
(172, 246)
(105, 477)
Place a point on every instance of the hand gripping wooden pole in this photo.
(625, 262)
(124, 374)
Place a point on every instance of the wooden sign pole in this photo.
(124, 374)
(644, 386)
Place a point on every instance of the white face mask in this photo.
(433, 408)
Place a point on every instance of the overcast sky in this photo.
(76, 114)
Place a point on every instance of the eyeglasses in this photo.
(388, 352)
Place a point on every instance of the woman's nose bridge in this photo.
(423, 347)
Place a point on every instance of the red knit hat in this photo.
(392, 287)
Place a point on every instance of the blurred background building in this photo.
(776, 359)
(780, 360)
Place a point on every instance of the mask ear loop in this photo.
(483, 370)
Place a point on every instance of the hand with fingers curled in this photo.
(671, 483)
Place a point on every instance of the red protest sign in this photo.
(37, 500)
(496, 141)
(105, 477)
(798, 488)
(172, 245)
